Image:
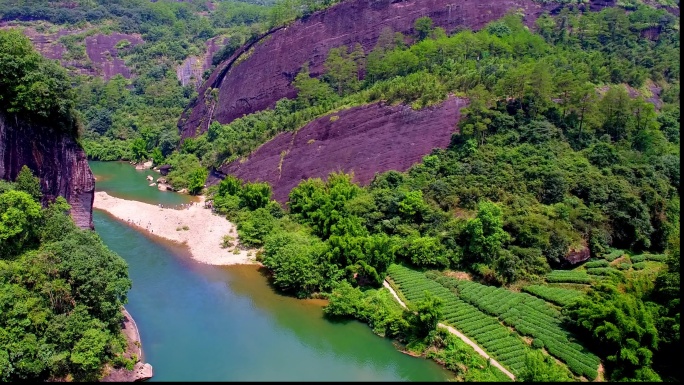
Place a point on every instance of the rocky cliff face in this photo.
(141, 371)
(576, 255)
(193, 67)
(264, 73)
(57, 159)
(102, 51)
(364, 140)
(102, 55)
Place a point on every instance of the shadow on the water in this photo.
(338, 320)
(266, 274)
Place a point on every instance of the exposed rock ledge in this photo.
(141, 371)
(577, 254)
(265, 72)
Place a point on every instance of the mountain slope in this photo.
(260, 74)
(364, 140)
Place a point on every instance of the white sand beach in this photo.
(203, 236)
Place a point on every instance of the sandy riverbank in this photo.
(203, 236)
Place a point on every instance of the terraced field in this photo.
(499, 342)
(556, 295)
(483, 313)
(569, 276)
(529, 316)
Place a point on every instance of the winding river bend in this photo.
(225, 323)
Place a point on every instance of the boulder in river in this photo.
(142, 371)
(164, 169)
(143, 166)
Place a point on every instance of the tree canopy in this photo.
(61, 293)
(32, 86)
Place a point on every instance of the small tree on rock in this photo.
(28, 183)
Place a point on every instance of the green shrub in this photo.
(624, 266)
(613, 255)
(639, 266)
(227, 241)
(537, 343)
(598, 263)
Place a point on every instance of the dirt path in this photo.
(458, 334)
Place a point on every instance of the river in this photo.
(225, 323)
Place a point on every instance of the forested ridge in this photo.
(568, 150)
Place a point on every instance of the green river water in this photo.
(225, 323)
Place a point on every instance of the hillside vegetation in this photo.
(33, 88)
(559, 151)
(61, 288)
(568, 150)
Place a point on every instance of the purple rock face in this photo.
(264, 75)
(364, 140)
(192, 68)
(48, 45)
(597, 5)
(56, 159)
(577, 255)
(100, 49)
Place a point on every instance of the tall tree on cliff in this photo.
(311, 90)
(28, 183)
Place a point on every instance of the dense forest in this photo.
(61, 291)
(33, 88)
(570, 143)
(61, 288)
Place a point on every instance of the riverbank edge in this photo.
(141, 371)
